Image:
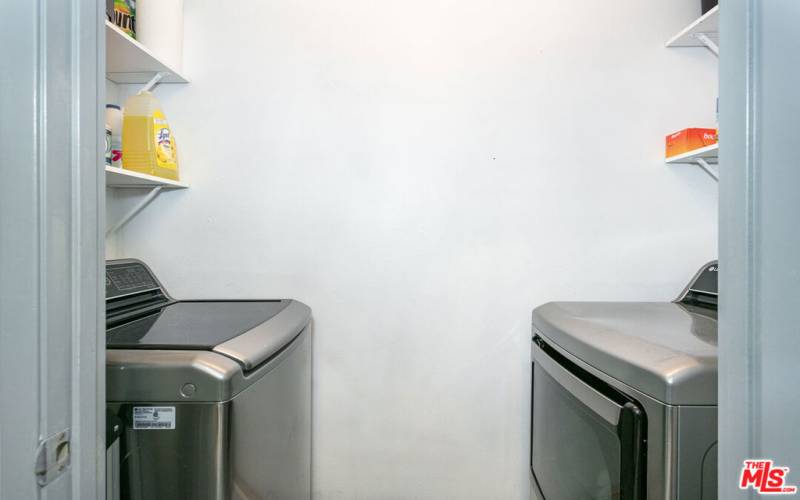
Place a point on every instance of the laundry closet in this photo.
(427, 250)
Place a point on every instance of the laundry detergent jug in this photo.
(147, 139)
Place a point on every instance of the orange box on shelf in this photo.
(690, 139)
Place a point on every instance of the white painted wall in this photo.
(422, 174)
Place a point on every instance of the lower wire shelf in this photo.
(127, 179)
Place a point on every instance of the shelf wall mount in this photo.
(125, 179)
(154, 192)
(704, 158)
(702, 163)
(154, 81)
(708, 43)
(703, 32)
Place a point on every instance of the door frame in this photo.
(52, 199)
(759, 205)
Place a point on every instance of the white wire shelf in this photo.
(702, 157)
(121, 178)
(708, 153)
(128, 61)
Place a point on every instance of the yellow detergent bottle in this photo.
(147, 142)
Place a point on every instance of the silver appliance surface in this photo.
(252, 442)
(226, 399)
(595, 362)
(666, 350)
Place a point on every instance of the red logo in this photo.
(764, 477)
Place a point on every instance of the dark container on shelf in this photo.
(707, 5)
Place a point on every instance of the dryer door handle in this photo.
(607, 409)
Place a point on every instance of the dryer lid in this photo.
(663, 349)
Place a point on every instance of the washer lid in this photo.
(259, 344)
(193, 325)
(665, 350)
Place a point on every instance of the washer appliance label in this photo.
(154, 417)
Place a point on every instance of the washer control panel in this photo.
(128, 278)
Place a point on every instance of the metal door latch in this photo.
(52, 457)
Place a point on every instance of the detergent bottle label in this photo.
(125, 16)
(165, 144)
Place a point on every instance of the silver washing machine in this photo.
(213, 396)
(624, 398)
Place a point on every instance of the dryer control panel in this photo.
(703, 289)
(706, 279)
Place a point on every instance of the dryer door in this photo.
(588, 439)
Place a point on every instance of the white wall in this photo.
(422, 174)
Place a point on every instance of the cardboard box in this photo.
(690, 139)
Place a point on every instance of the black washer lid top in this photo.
(193, 325)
